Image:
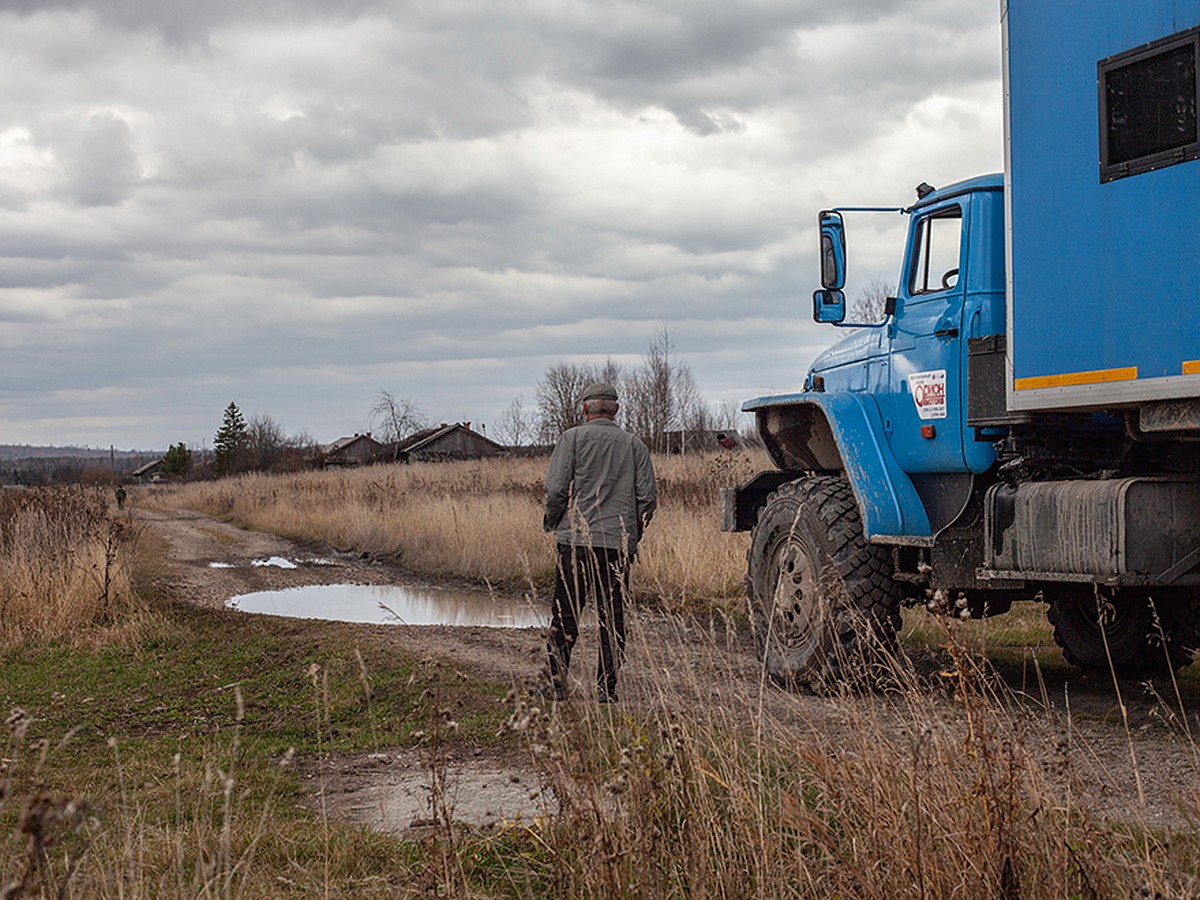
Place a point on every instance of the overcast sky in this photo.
(293, 204)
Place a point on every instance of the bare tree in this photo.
(516, 426)
(659, 396)
(559, 396)
(395, 418)
(611, 372)
(691, 410)
(867, 308)
(648, 393)
(730, 418)
(302, 452)
(265, 442)
(303, 440)
(662, 394)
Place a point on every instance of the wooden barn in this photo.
(356, 450)
(455, 441)
(151, 471)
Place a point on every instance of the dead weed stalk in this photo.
(935, 785)
(65, 564)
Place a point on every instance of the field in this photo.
(157, 745)
(482, 521)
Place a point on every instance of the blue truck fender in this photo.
(831, 431)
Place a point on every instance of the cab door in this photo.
(924, 415)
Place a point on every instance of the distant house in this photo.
(455, 441)
(151, 471)
(356, 450)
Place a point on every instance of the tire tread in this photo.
(864, 571)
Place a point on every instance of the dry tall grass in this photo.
(932, 791)
(482, 520)
(65, 564)
(942, 790)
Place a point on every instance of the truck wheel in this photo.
(1126, 630)
(822, 600)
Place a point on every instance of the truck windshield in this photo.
(936, 251)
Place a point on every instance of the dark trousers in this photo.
(581, 571)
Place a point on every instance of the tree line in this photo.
(257, 445)
(659, 397)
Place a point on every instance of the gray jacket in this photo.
(600, 488)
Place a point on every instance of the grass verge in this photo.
(66, 563)
(165, 768)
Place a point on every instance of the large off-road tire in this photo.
(822, 600)
(1135, 632)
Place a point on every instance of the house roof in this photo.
(146, 469)
(428, 436)
(342, 443)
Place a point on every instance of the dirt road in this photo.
(1141, 770)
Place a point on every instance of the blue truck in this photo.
(1023, 423)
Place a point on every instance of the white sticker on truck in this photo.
(929, 393)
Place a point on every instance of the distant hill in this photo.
(10, 452)
(30, 465)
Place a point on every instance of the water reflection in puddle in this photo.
(391, 605)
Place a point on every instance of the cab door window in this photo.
(936, 252)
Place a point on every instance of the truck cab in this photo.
(951, 289)
(901, 384)
(904, 478)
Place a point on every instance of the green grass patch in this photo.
(304, 685)
(170, 767)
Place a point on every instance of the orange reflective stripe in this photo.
(1130, 373)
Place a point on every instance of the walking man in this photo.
(600, 495)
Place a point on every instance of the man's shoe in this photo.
(606, 697)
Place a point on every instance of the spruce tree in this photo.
(177, 461)
(229, 441)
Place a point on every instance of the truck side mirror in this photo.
(829, 307)
(833, 250)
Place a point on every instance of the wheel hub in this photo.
(798, 599)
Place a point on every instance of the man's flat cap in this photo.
(600, 390)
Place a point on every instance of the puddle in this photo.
(277, 562)
(394, 795)
(391, 605)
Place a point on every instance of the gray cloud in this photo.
(294, 204)
(100, 167)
